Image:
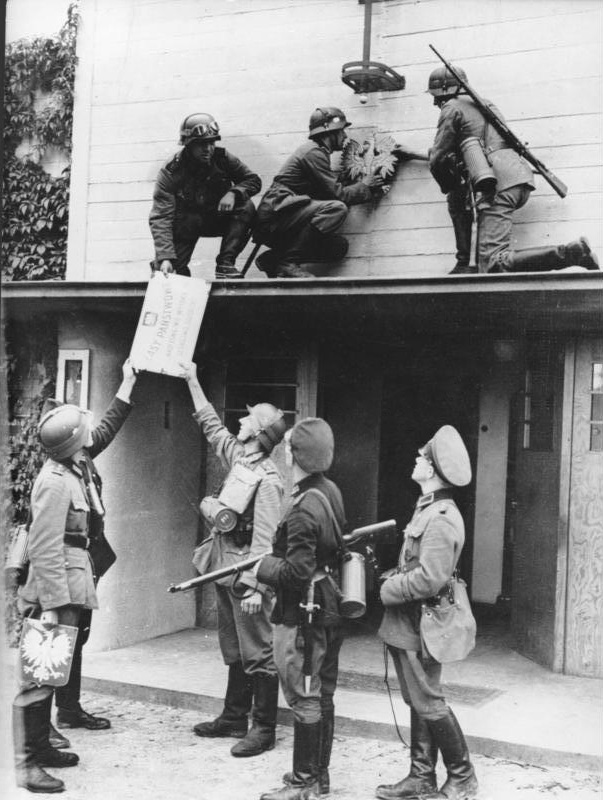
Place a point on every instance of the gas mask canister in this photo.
(222, 512)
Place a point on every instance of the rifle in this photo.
(402, 154)
(369, 531)
(507, 134)
(210, 577)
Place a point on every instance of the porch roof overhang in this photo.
(553, 301)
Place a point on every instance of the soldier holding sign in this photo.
(243, 519)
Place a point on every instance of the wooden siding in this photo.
(261, 66)
(584, 615)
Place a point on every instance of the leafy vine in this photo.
(38, 112)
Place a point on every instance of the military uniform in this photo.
(60, 577)
(245, 639)
(459, 120)
(67, 697)
(302, 569)
(433, 542)
(304, 208)
(185, 207)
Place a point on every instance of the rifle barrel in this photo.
(503, 129)
(224, 572)
(370, 530)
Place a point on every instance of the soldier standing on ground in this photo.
(202, 191)
(432, 546)
(303, 569)
(244, 629)
(300, 214)
(460, 119)
(70, 714)
(60, 587)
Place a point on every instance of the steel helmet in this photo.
(269, 423)
(442, 82)
(323, 120)
(64, 430)
(199, 126)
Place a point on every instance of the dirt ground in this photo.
(151, 752)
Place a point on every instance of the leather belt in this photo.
(73, 540)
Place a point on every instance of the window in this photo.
(260, 380)
(72, 377)
(596, 408)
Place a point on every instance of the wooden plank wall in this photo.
(261, 67)
(584, 617)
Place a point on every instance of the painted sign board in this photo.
(169, 323)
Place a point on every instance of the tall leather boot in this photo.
(46, 754)
(421, 780)
(235, 239)
(26, 738)
(304, 782)
(237, 705)
(261, 737)
(544, 259)
(461, 783)
(327, 729)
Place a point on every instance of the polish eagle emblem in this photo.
(379, 155)
(46, 653)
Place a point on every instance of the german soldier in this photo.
(202, 191)
(60, 586)
(460, 120)
(432, 546)
(244, 629)
(300, 214)
(303, 570)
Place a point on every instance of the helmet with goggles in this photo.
(200, 127)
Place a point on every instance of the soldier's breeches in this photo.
(244, 637)
(495, 223)
(289, 658)
(30, 693)
(329, 215)
(234, 228)
(420, 682)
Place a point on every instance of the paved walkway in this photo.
(508, 706)
(150, 752)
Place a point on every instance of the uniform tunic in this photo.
(459, 120)
(433, 541)
(68, 696)
(306, 190)
(185, 205)
(244, 637)
(306, 543)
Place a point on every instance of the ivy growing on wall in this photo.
(38, 115)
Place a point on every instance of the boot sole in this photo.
(233, 735)
(255, 752)
(38, 790)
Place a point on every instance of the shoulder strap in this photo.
(324, 501)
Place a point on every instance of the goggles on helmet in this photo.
(202, 130)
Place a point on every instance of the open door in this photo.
(533, 503)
